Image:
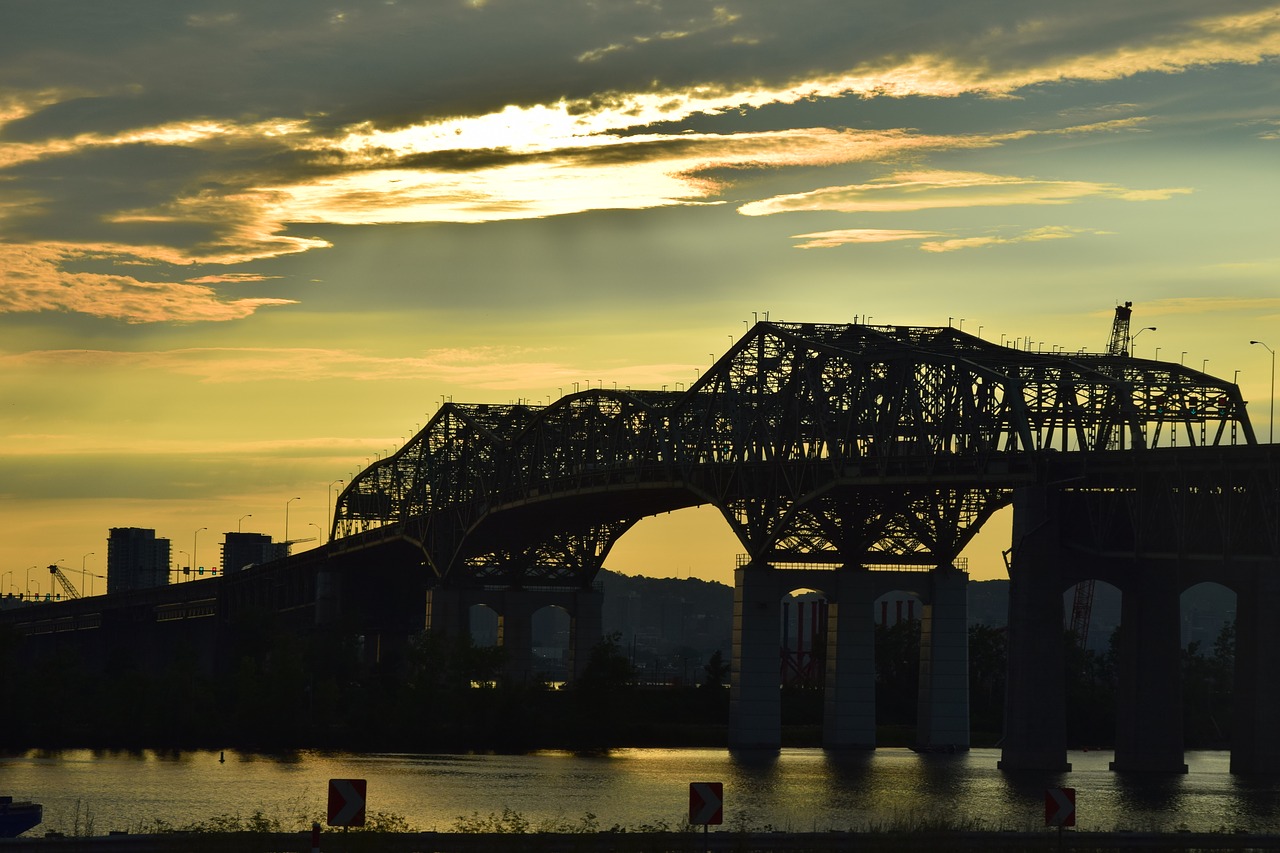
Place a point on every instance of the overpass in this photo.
(851, 459)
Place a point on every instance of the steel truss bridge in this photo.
(837, 453)
(845, 445)
(840, 455)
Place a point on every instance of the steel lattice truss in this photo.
(839, 444)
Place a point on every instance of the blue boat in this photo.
(17, 818)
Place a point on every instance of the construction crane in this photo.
(1119, 344)
(1082, 603)
(67, 586)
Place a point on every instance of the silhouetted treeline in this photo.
(283, 689)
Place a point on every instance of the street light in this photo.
(82, 572)
(29, 578)
(286, 524)
(1272, 416)
(328, 506)
(194, 536)
(241, 520)
(179, 571)
(1133, 340)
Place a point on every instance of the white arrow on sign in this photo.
(1060, 807)
(706, 803)
(352, 801)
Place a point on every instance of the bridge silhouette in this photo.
(850, 459)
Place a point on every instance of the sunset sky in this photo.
(245, 248)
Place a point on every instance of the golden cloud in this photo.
(32, 279)
(913, 191)
(491, 368)
(1050, 232)
(830, 239)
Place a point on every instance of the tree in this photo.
(716, 670)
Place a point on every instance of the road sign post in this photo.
(346, 802)
(1060, 807)
(706, 806)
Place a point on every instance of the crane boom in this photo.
(1082, 603)
(1119, 344)
(67, 587)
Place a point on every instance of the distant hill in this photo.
(658, 617)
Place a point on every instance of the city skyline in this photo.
(247, 249)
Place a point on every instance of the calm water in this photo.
(798, 789)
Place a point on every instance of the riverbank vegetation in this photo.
(284, 690)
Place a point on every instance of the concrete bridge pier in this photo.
(1035, 722)
(586, 628)
(849, 710)
(515, 633)
(1149, 676)
(943, 703)
(447, 612)
(1255, 729)
(755, 699)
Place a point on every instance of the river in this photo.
(796, 789)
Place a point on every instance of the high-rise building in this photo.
(136, 559)
(241, 550)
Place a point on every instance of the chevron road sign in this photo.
(346, 802)
(706, 803)
(1060, 807)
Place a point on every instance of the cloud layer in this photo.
(214, 135)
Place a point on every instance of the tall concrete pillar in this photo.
(1149, 674)
(1255, 728)
(1035, 717)
(328, 596)
(447, 612)
(943, 704)
(849, 714)
(515, 634)
(586, 628)
(755, 698)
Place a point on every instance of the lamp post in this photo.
(1272, 415)
(2, 577)
(286, 524)
(328, 506)
(29, 578)
(179, 571)
(1133, 340)
(241, 520)
(82, 571)
(194, 537)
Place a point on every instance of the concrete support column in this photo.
(586, 629)
(755, 698)
(849, 714)
(447, 612)
(1035, 721)
(328, 596)
(1149, 675)
(1255, 728)
(515, 634)
(943, 704)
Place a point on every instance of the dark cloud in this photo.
(395, 64)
